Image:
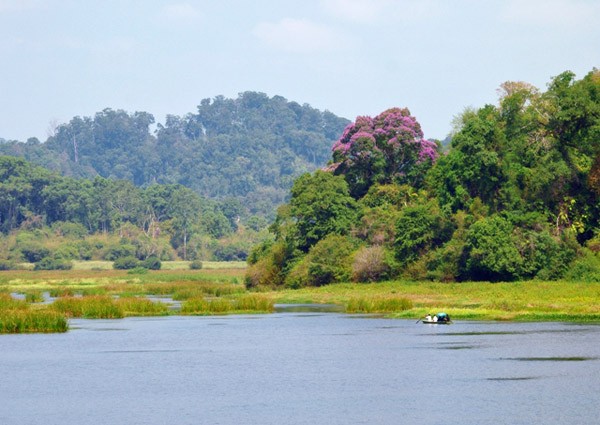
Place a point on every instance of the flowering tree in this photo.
(389, 148)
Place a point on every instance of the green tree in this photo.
(321, 205)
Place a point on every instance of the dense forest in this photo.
(250, 148)
(48, 217)
(515, 196)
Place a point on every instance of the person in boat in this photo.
(428, 318)
(441, 317)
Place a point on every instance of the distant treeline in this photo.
(516, 196)
(40, 208)
(250, 148)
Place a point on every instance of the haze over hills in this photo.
(250, 148)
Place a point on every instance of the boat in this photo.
(436, 322)
(438, 319)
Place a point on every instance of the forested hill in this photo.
(250, 148)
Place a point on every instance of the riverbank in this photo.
(517, 301)
(208, 290)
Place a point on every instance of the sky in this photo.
(65, 58)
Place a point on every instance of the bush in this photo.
(7, 265)
(49, 263)
(586, 268)
(196, 265)
(33, 252)
(491, 252)
(370, 264)
(329, 261)
(137, 270)
(126, 263)
(115, 252)
(151, 263)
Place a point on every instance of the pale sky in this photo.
(66, 58)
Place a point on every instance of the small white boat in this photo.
(438, 319)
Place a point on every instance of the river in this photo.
(299, 367)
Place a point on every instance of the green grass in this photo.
(252, 303)
(29, 321)
(136, 306)
(378, 304)
(522, 301)
(92, 307)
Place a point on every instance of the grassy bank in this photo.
(527, 300)
(94, 292)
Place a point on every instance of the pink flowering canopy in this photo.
(387, 148)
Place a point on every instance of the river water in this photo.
(301, 368)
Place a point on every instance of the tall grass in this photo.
(92, 307)
(28, 321)
(17, 317)
(246, 304)
(378, 304)
(138, 306)
(7, 302)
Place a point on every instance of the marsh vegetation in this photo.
(43, 301)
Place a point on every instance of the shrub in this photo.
(330, 260)
(196, 265)
(151, 263)
(137, 270)
(34, 252)
(69, 229)
(49, 263)
(7, 265)
(115, 252)
(586, 268)
(126, 263)
(491, 252)
(370, 265)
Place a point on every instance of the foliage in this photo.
(389, 148)
(321, 205)
(196, 265)
(330, 260)
(126, 263)
(48, 263)
(372, 264)
(491, 252)
(248, 149)
(151, 263)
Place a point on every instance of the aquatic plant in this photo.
(139, 306)
(91, 307)
(28, 321)
(379, 304)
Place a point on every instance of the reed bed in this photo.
(91, 307)
(7, 302)
(34, 296)
(253, 303)
(378, 304)
(30, 321)
(138, 306)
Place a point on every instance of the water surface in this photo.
(301, 368)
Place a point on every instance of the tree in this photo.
(491, 252)
(185, 210)
(389, 148)
(321, 205)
